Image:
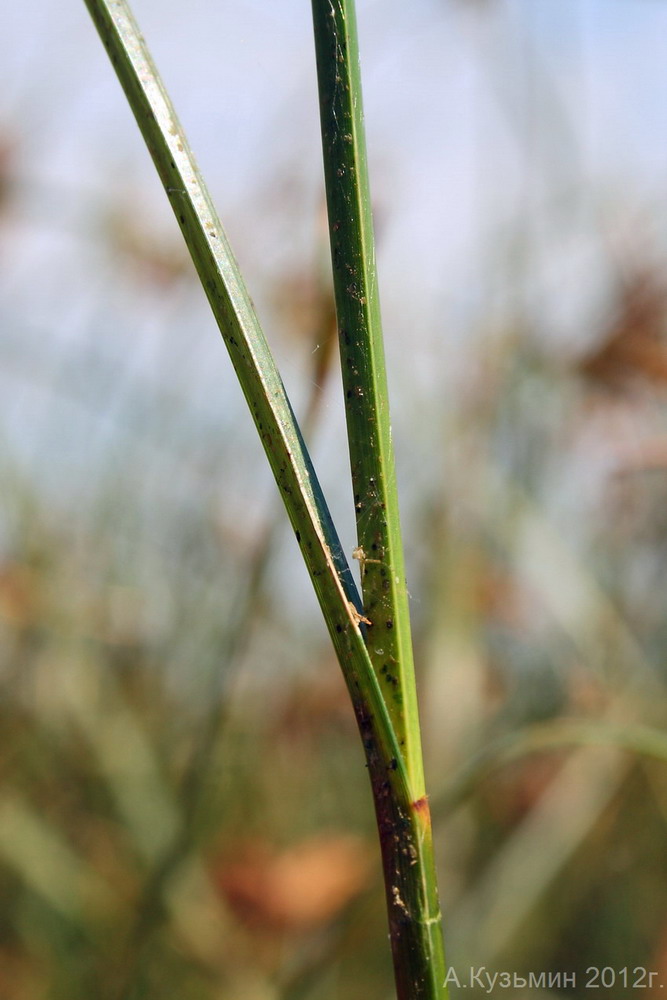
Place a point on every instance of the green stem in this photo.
(401, 806)
(417, 945)
(380, 550)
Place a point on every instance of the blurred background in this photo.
(184, 809)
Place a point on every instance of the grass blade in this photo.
(401, 807)
(249, 352)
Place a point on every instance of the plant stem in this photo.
(401, 805)
(379, 546)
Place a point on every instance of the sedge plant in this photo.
(370, 631)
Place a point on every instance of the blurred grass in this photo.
(135, 544)
(119, 670)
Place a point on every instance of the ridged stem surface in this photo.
(402, 813)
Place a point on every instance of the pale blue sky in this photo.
(544, 118)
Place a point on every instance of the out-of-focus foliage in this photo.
(183, 804)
